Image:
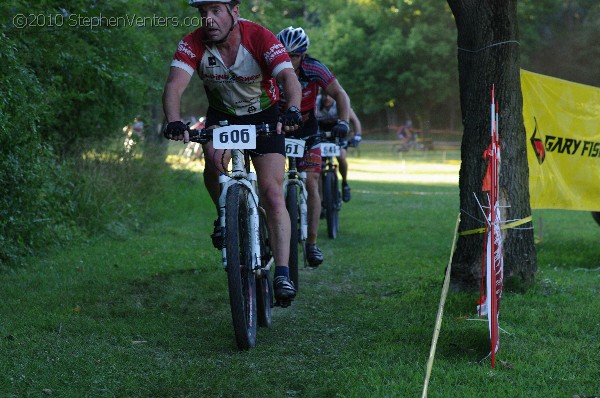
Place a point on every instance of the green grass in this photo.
(147, 315)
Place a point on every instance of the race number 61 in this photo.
(235, 137)
(294, 148)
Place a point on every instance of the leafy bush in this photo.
(34, 191)
(62, 90)
(111, 192)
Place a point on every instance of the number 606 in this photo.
(235, 136)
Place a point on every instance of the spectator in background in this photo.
(406, 135)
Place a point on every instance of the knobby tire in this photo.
(264, 288)
(241, 280)
(330, 196)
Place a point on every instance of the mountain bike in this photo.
(246, 254)
(294, 187)
(332, 196)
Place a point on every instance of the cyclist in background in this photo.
(406, 135)
(313, 75)
(240, 63)
(327, 115)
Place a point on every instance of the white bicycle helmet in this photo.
(198, 3)
(294, 40)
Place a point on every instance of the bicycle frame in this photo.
(294, 177)
(241, 221)
(328, 159)
(328, 164)
(241, 175)
(330, 197)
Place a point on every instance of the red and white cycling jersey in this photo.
(246, 87)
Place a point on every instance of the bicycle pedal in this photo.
(283, 303)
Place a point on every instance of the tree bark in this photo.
(488, 54)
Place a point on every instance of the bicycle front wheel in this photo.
(240, 277)
(330, 197)
(291, 202)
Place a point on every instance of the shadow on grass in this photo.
(183, 310)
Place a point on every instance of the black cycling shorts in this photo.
(271, 144)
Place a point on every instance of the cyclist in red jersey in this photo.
(313, 75)
(240, 63)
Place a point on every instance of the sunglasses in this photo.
(294, 55)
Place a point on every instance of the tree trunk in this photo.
(488, 54)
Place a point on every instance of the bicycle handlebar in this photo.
(203, 136)
(328, 136)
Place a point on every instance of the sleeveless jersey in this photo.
(327, 117)
(246, 87)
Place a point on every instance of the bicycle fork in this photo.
(303, 207)
(248, 181)
(300, 182)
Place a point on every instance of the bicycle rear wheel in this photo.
(331, 199)
(264, 289)
(240, 277)
(291, 203)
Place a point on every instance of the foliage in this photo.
(67, 86)
(561, 39)
(63, 89)
(391, 54)
(34, 194)
(112, 193)
(93, 78)
(399, 57)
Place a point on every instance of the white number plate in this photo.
(235, 137)
(328, 149)
(294, 148)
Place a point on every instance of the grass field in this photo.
(147, 314)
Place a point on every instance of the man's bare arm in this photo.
(177, 81)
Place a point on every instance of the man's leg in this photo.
(313, 253)
(314, 206)
(212, 171)
(343, 166)
(270, 171)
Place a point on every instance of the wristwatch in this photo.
(293, 109)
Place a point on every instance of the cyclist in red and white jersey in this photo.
(240, 64)
(313, 75)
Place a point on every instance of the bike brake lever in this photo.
(201, 136)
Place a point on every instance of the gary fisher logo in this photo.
(537, 144)
(562, 145)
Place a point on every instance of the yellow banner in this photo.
(562, 122)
